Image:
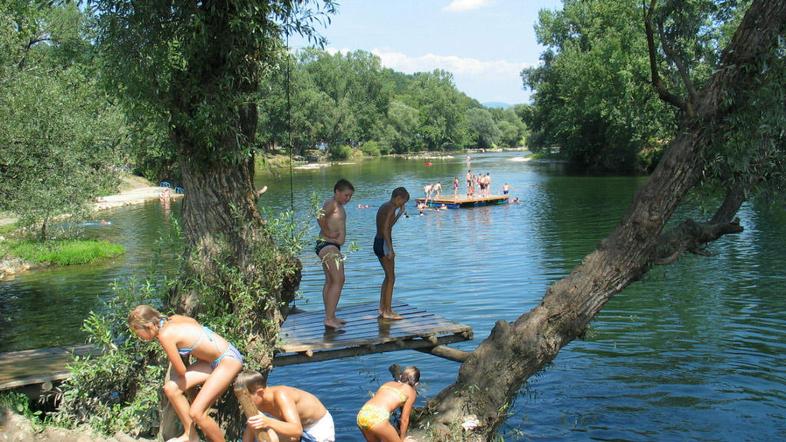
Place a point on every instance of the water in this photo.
(692, 352)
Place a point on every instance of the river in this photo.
(694, 351)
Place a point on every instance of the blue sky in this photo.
(484, 43)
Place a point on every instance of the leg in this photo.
(175, 389)
(385, 432)
(334, 283)
(386, 291)
(369, 436)
(214, 386)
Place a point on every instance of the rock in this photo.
(16, 428)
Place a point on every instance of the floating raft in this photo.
(459, 201)
(304, 340)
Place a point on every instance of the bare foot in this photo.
(390, 315)
(333, 324)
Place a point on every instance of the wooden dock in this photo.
(462, 201)
(304, 340)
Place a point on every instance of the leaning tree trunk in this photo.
(490, 378)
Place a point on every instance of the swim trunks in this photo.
(380, 247)
(321, 244)
(371, 415)
(322, 430)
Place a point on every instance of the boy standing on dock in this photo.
(332, 220)
(383, 248)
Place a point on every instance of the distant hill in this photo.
(497, 104)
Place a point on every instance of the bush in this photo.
(340, 152)
(65, 252)
(371, 148)
(120, 389)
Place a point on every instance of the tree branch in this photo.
(656, 81)
(682, 69)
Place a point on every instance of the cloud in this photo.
(485, 80)
(465, 5)
(455, 64)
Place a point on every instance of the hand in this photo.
(259, 422)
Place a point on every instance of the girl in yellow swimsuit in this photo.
(373, 418)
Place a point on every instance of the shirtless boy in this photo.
(332, 221)
(383, 248)
(292, 414)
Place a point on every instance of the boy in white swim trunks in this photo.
(293, 414)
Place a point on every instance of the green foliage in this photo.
(339, 152)
(65, 252)
(167, 63)
(60, 136)
(120, 389)
(371, 148)
(591, 95)
(485, 132)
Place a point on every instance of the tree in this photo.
(60, 137)
(197, 67)
(748, 68)
(590, 94)
(482, 130)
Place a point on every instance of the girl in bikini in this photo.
(373, 418)
(217, 362)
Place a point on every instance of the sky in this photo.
(484, 43)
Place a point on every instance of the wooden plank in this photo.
(457, 201)
(344, 352)
(377, 329)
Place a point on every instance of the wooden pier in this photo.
(462, 201)
(304, 337)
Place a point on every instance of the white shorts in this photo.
(321, 430)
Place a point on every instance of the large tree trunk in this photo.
(493, 374)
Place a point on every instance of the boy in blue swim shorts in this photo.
(383, 248)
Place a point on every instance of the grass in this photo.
(65, 252)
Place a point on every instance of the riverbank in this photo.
(279, 163)
(133, 190)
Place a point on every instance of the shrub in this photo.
(371, 148)
(340, 152)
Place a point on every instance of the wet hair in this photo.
(251, 380)
(400, 191)
(342, 185)
(409, 375)
(144, 315)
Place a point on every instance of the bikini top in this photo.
(401, 395)
(186, 351)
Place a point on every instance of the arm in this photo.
(406, 410)
(327, 211)
(170, 348)
(290, 427)
(387, 227)
(401, 211)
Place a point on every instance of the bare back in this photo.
(278, 398)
